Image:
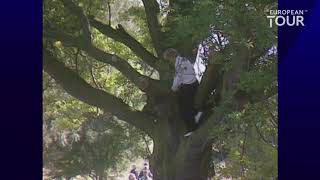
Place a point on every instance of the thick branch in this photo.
(141, 81)
(84, 43)
(209, 82)
(230, 85)
(152, 10)
(122, 36)
(83, 19)
(78, 88)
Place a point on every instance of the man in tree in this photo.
(77, 37)
(185, 84)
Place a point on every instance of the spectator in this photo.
(141, 172)
(145, 175)
(145, 169)
(134, 171)
(132, 176)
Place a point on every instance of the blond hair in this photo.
(170, 53)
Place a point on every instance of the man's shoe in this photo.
(188, 134)
(197, 117)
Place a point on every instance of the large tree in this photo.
(241, 73)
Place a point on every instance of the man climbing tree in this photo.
(78, 34)
(186, 83)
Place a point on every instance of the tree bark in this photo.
(186, 159)
(176, 157)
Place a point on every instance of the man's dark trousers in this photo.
(186, 95)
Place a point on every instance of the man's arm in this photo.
(176, 83)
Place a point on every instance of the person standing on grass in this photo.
(132, 176)
(134, 171)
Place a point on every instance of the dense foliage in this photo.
(83, 139)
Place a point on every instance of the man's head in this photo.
(132, 176)
(170, 55)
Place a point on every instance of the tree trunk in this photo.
(100, 175)
(190, 161)
(176, 157)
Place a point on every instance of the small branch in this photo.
(243, 145)
(123, 37)
(147, 147)
(273, 118)
(109, 11)
(93, 78)
(263, 138)
(76, 60)
(243, 150)
(152, 10)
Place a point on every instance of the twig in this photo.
(273, 118)
(76, 60)
(109, 11)
(93, 78)
(263, 138)
(147, 147)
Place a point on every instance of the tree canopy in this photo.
(107, 96)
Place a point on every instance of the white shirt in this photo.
(184, 73)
